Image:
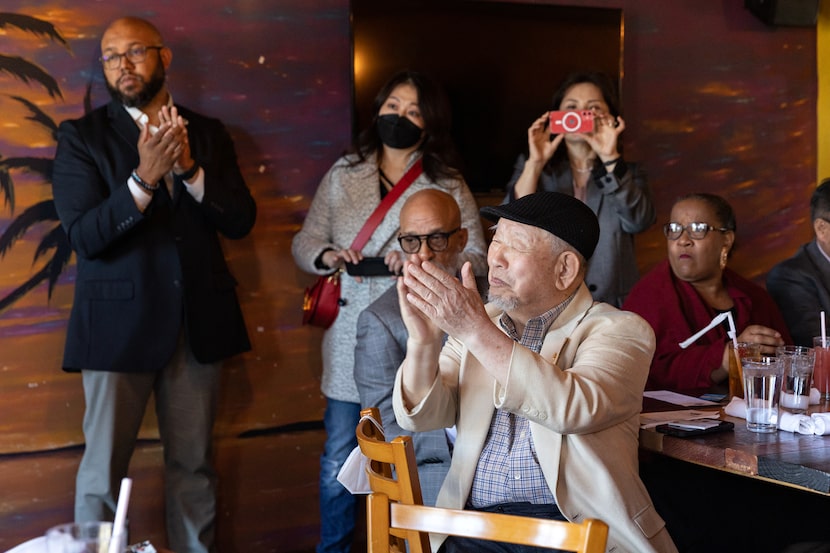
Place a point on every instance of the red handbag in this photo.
(321, 302)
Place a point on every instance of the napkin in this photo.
(34, 545)
(736, 408)
(815, 396)
(790, 422)
(794, 401)
(821, 421)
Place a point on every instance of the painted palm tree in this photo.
(54, 241)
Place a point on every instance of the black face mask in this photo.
(398, 132)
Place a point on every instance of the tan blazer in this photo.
(584, 419)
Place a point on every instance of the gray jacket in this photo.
(346, 197)
(622, 203)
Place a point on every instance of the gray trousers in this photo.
(186, 396)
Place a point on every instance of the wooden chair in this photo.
(385, 517)
(395, 510)
(392, 472)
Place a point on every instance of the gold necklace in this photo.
(588, 169)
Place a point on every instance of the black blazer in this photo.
(800, 286)
(143, 277)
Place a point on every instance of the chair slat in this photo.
(395, 510)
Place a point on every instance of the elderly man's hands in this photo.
(442, 302)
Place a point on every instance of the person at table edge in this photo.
(682, 295)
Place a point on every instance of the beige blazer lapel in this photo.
(557, 340)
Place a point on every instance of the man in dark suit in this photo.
(800, 285)
(143, 189)
(430, 229)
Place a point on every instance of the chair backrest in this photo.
(385, 517)
(392, 472)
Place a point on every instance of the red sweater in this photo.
(676, 311)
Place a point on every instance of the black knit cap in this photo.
(561, 215)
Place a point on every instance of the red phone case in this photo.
(571, 121)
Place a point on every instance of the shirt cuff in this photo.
(196, 187)
(142, 198)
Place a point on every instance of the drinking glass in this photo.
(81, 537)
(821, 371)
(746, 350)
(798, 371)
(762, 390)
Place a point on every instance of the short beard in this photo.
(145, 95)
(505, 304)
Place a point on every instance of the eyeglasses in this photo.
(136, 54)
(696, 230)
(437, 241)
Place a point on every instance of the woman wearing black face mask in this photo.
(410, 127)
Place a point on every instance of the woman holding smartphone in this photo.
(411, 123)
(589, 165)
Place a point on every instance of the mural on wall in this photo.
(53, 245)
(286, 101)
(286, 104)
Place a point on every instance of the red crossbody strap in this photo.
(380, 211)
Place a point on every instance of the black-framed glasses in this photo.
(136, 54)
(696, 230)
(437, 241)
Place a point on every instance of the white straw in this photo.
(732, 332)
(120, 515)
(823, 332)
(715, 322)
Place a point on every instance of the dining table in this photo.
(739, 490)
(784, 458)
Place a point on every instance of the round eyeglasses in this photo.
(136, 54)
(696, 230)
(437, 241)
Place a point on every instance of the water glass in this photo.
(798, 371)
(81, 537)
(821, 371)
(746, 350)
(762, 391)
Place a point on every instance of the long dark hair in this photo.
(606, 87)
(440, 157)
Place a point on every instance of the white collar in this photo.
(142, 118)
(824, 253)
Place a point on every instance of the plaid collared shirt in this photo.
(508, 470)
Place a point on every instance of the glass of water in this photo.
(798, 364)
(81, 537)
(762, 392)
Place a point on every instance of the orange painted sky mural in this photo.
(248, 63)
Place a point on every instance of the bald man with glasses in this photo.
(430, 229)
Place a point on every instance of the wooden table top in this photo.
(787, 458)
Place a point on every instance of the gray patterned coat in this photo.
(343, 201)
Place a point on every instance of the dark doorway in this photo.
(498, 61)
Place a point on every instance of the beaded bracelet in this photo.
(142, 183)
(190, 173)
